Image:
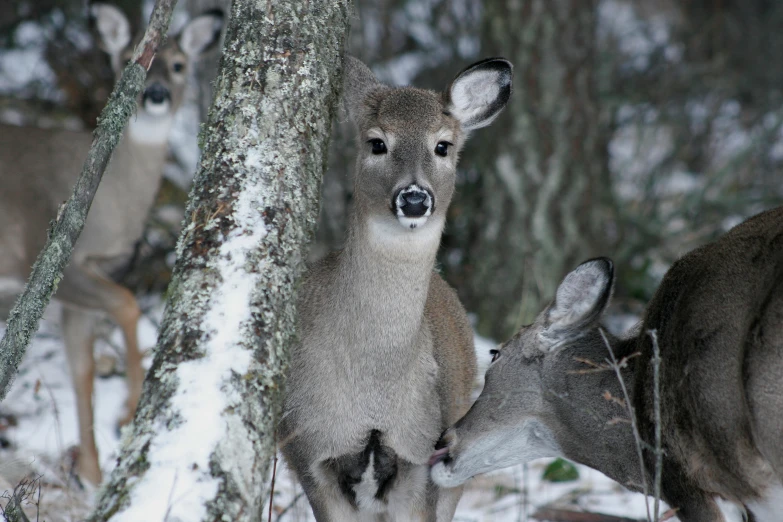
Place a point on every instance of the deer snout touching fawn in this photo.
(39, 168)
(385, 360)
(718, 314)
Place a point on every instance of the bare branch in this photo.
(22, 494)
(617, 367)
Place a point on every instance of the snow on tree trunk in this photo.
(200, 445)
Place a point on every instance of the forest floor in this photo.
(38, 434)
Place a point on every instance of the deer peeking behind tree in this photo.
(39, 168)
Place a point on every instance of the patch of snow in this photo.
(29, 34)
(178, 482)
(638, 38)
(44, 404)
(732, 221)
(19, 67)
(680, 182)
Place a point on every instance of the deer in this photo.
(39, 168)
(385, 359)
(717, 319)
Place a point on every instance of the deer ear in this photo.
(580, 300)
(479, 93)
(113, 29)
(358, 82)
(201, 33)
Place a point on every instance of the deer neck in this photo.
(385, 272)
(141, 153)
(145, 129)
(126, 193)
(609, 445)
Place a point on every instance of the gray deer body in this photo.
(386, 362)
(39, 168)
(718, 315)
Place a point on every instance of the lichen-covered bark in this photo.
(230, 315)
(537, 205)
(47, 270)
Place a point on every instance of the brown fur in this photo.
(718, 315)
(720, 322)
(452, 338)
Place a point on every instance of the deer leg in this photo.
(124, 310)
(77, 326)
(89, 288)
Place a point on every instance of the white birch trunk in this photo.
(200, 446)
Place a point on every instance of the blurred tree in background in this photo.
(638, 129)
(536, 199)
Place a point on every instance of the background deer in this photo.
(386, 359)
(39, 167)
(719, 318)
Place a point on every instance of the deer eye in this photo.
(378, 146)
(495, 354)
(178, 67)
(442, 148)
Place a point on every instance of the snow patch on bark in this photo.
(178, 484)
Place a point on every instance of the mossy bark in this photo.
(536, 198)
(265, 143)
(47, 270)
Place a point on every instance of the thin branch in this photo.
(290, 505)
(22, 494)
(48, 268)
(632, 414)
(272, 488)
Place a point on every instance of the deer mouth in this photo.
(442, 469)
(413, 205)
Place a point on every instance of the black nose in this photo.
(413, 201)
(156, 93)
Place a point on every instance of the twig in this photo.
(290, 505)
(38, 502)
(13, 511)
(656, 361)
(272, 488)
(47, 270)
(632, 414)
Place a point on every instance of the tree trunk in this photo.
(200, 445)
(535, 198)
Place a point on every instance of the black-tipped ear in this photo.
(579, 302)
(479, 93)
(201, 33)
(358, 82)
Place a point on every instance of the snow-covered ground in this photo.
(42, 404)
